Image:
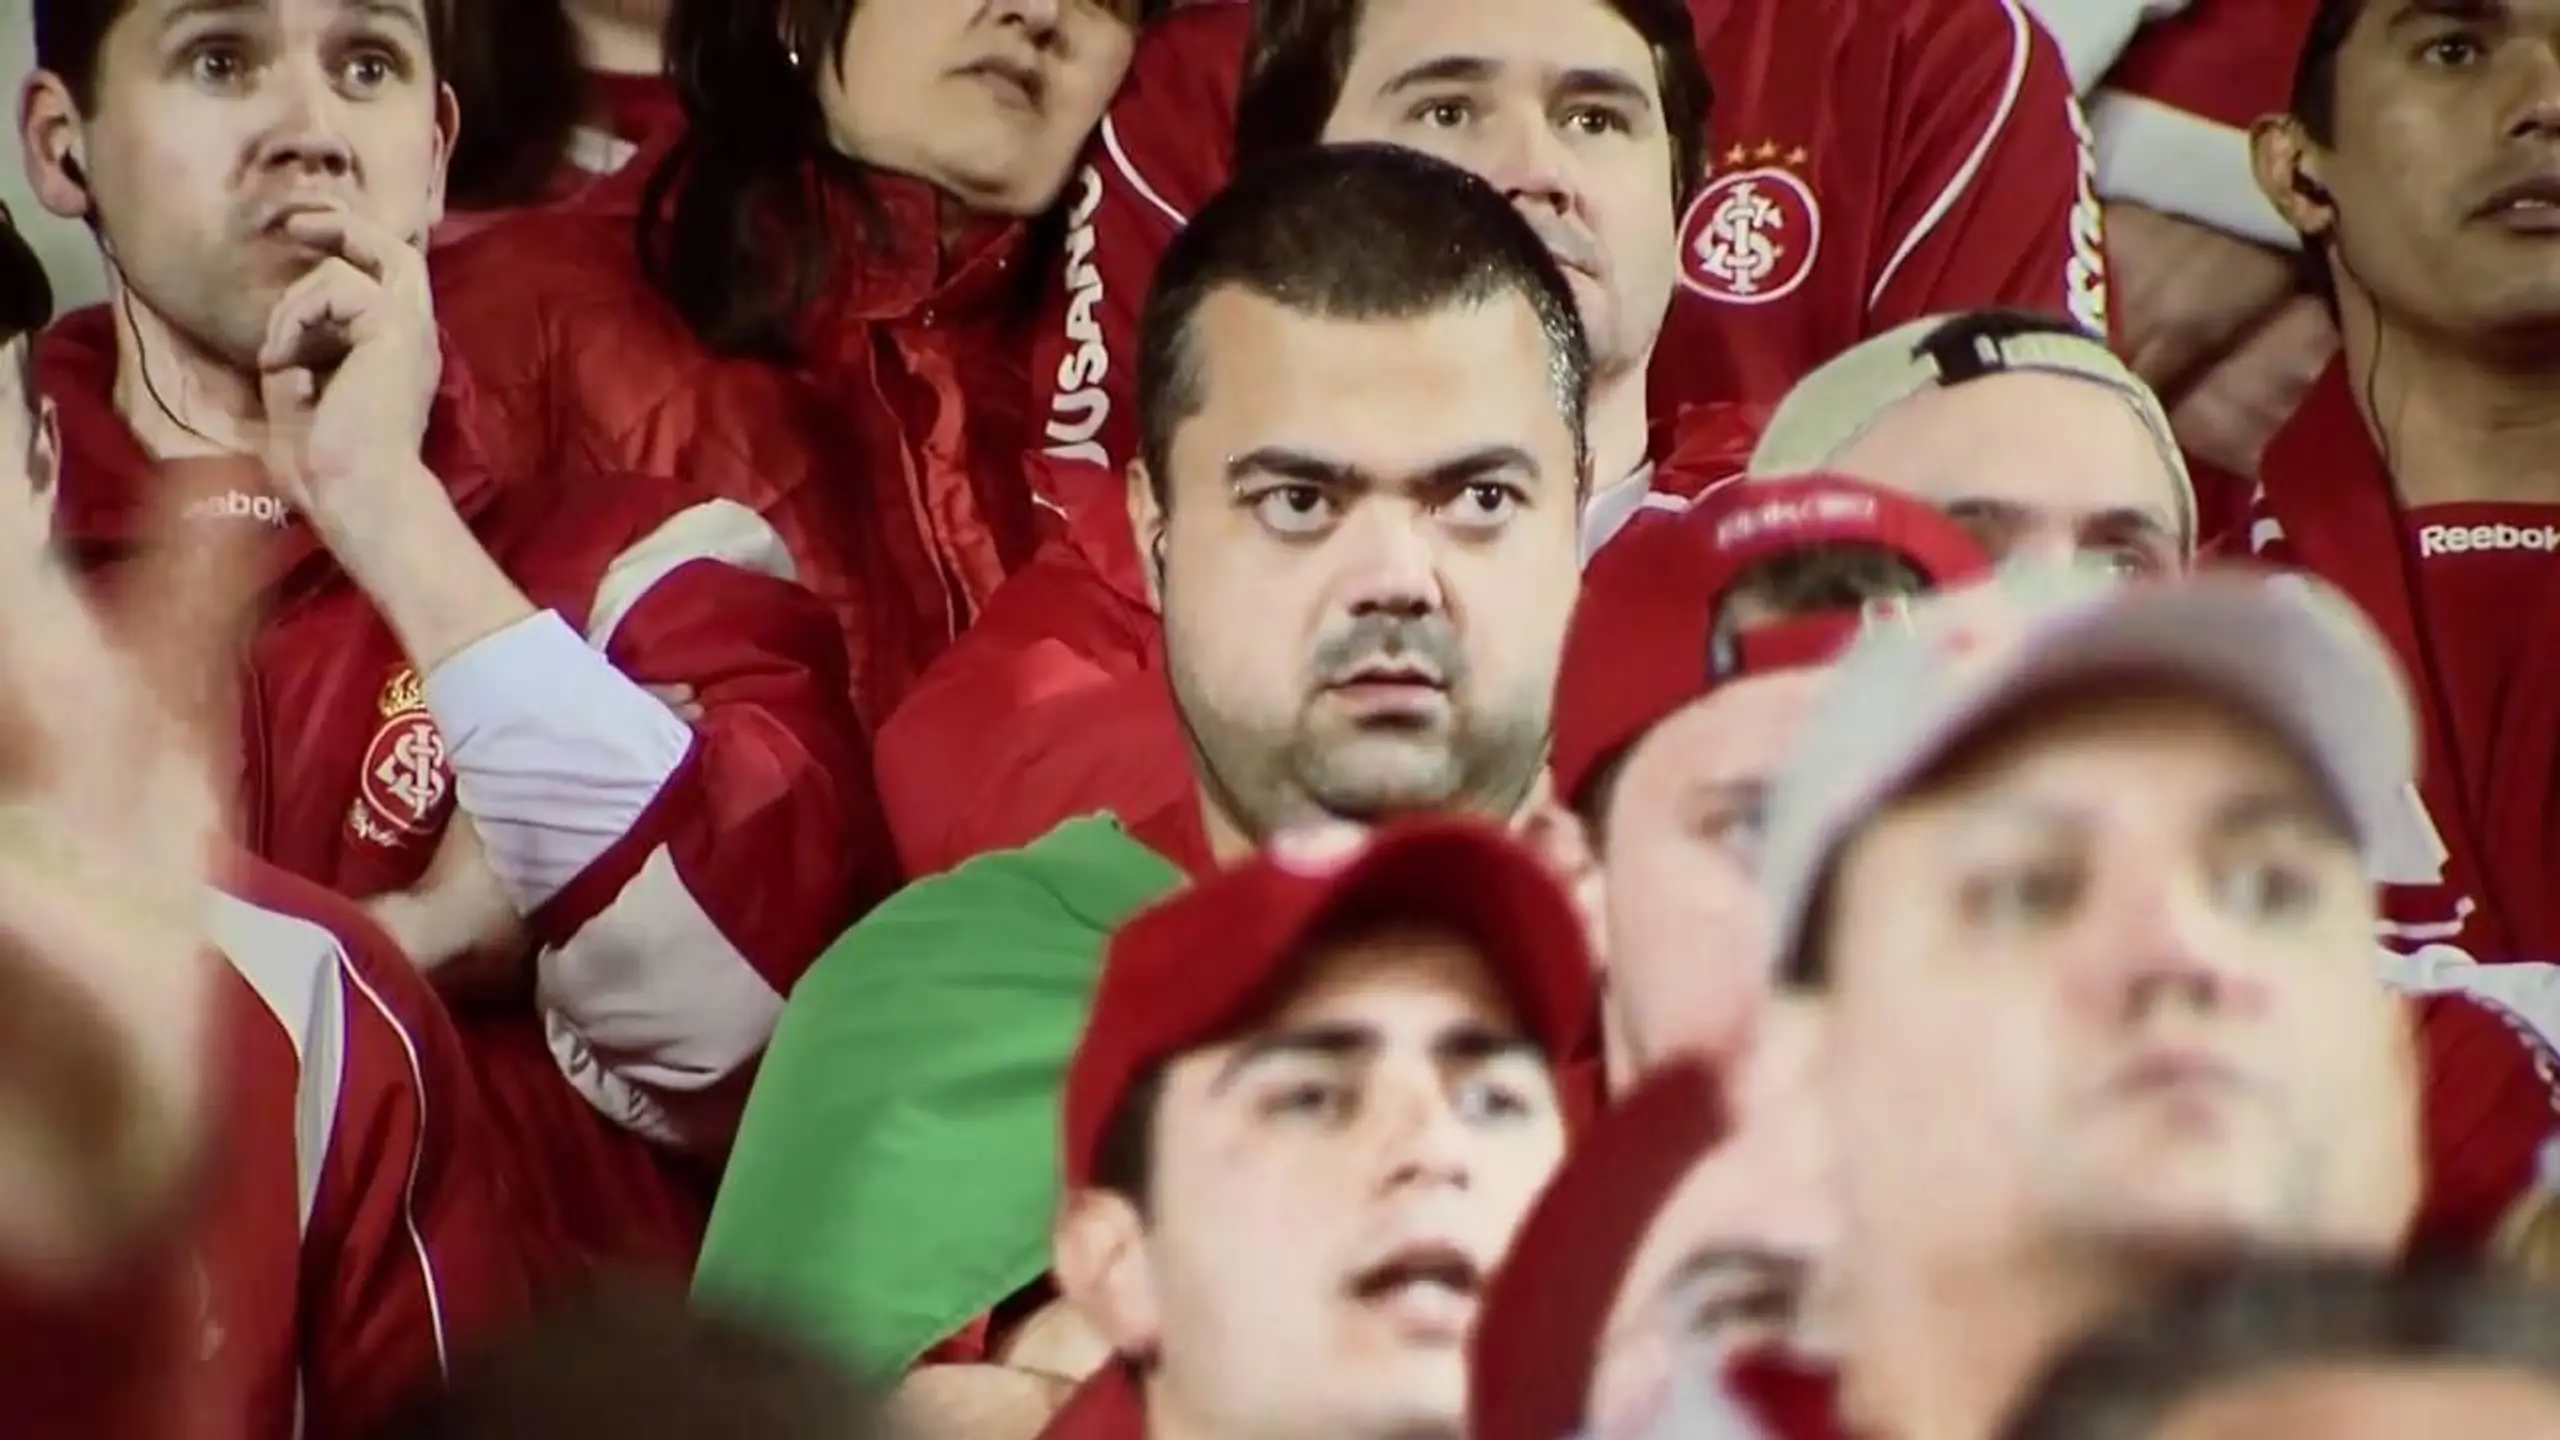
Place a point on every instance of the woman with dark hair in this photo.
(557, 94)
(813, 298)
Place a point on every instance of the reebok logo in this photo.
(235, 505)
(2464, 539)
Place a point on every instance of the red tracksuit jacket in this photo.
(678, 878)
(358, 1227)
(1957, 176)
(2479, 929)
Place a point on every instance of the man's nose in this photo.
(2537, 98)
(1425, 1143)
(1528, 164)
(307, 133)
(1393, 568)
(1040, 17)
(2166, 946)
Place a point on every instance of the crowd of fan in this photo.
(1096, 719)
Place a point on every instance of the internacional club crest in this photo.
(1752, 235)
(402, 792)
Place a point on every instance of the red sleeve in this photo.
(412, 1246)
(2489, 1107)
(2173, 121)
(1994, 200)
(1163, 150)
(668, 956)
(1051, 707)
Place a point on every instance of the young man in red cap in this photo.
(2084, 863)
(1694, 648)
(1315, 1099)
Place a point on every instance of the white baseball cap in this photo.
(2287, 649)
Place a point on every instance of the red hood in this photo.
(110, 486)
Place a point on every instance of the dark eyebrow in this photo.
(2130, 523)
(1449, 473)
(1715, 1262)
(2417, 11)
(1445, 70)
(1464, 1045)
(1603, 84)
(396, 12)
(2259, 811)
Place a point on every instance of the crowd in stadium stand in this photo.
(1281, 720)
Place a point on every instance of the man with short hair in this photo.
(2420, 476)
(1291, 1169)
(1588, 115)
(2023, 426)
(1696, 646)
(314, 1194)
(1361, 518)
(445, 708)
(2085, 863)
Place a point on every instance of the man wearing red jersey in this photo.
(2420, 160)
(1796, 224)
(443, 710)
(350, 1229)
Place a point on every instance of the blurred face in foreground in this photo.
(1688, 946)
(2105, 985)
(1331, 1191)
(1728, 1267)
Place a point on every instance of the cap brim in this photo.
(2323, 682)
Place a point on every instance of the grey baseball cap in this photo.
(1827, 410)
(2287, 649)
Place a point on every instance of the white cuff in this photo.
(555, 753)
(2182, 164)
(2092, 34)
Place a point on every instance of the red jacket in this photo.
(2482, 921)
(118, 1359)
(890, 459)
(358, 1229)
(677, 878)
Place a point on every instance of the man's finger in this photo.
(314, 324)
(369, 247)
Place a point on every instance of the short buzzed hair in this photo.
(1350, 232)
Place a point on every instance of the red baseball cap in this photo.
(1203, 965)
(1641, 644)
(1537, 1340)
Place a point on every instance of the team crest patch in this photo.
(1752, 235)
(402, 793)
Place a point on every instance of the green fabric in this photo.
(897, 1169)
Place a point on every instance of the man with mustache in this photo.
(1367, 452)
(2419, 159)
